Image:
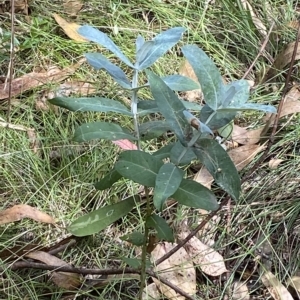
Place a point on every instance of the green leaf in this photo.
(164, 232)
(150, 51)
(163, 152)
(226, 130)
(97, 104)
(249, 106)
(101, 130)
(139, 166)
(180, 83)
(153, 129)
(139, 43)
(101, 38)
(237, 93)
(98, 61)
(167, 182)
(215, 119)
(107, 181)
(181, 155)
(169, 105)
(100, 218)
(149, 106)
(194, 194)
(220, 166)
(208, 75)
(136, 238)
(135, 262)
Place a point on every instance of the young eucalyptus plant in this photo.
(193, 125)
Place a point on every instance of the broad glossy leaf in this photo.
(194, 194)
(91, 104)
(217, 119)
(249, 106)
(98, 61)
(169, 105)
(220, 166)
(208, 75)
(139, 166)
(153, 50)
(100, 218)
(101, 38)
(101, 130)
(136, 238)
(164, 232)
(180, 83)
(139, 43)
(164, 152)
(108, 180)
(153, 129)
(181, 155)
(192, 105)
(167, 182)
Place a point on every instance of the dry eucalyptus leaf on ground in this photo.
(207, 259)
(70, 29)
(151, 292)
(291, 105)
(282, 60)
(243, 155)
(35, 79)
(256, 21)
(65, 280)
(243, 136)
(294, 282)
(240, 291)
(21, 211)
(178, 269)
(275, 287)
(274, 163)
(204, 177)
(72, 7)
(187, 71)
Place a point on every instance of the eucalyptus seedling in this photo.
(193, 126)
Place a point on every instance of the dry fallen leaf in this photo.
(65, 280)
(70, 29)
(291, 105)
(178, 269)
(273, 163)
(294, 282)
(256, 21)
(72, 7)
(243, 155)
(243, 136)
(151, 292)
(187, 70)
(240, 291)
(282, 60)
(204, 177)
(34, 79)
(275, 287)
(21, 211)
(207, 259)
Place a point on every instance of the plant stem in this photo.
(134, 102)
(144, 249)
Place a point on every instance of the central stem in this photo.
(134, 102)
